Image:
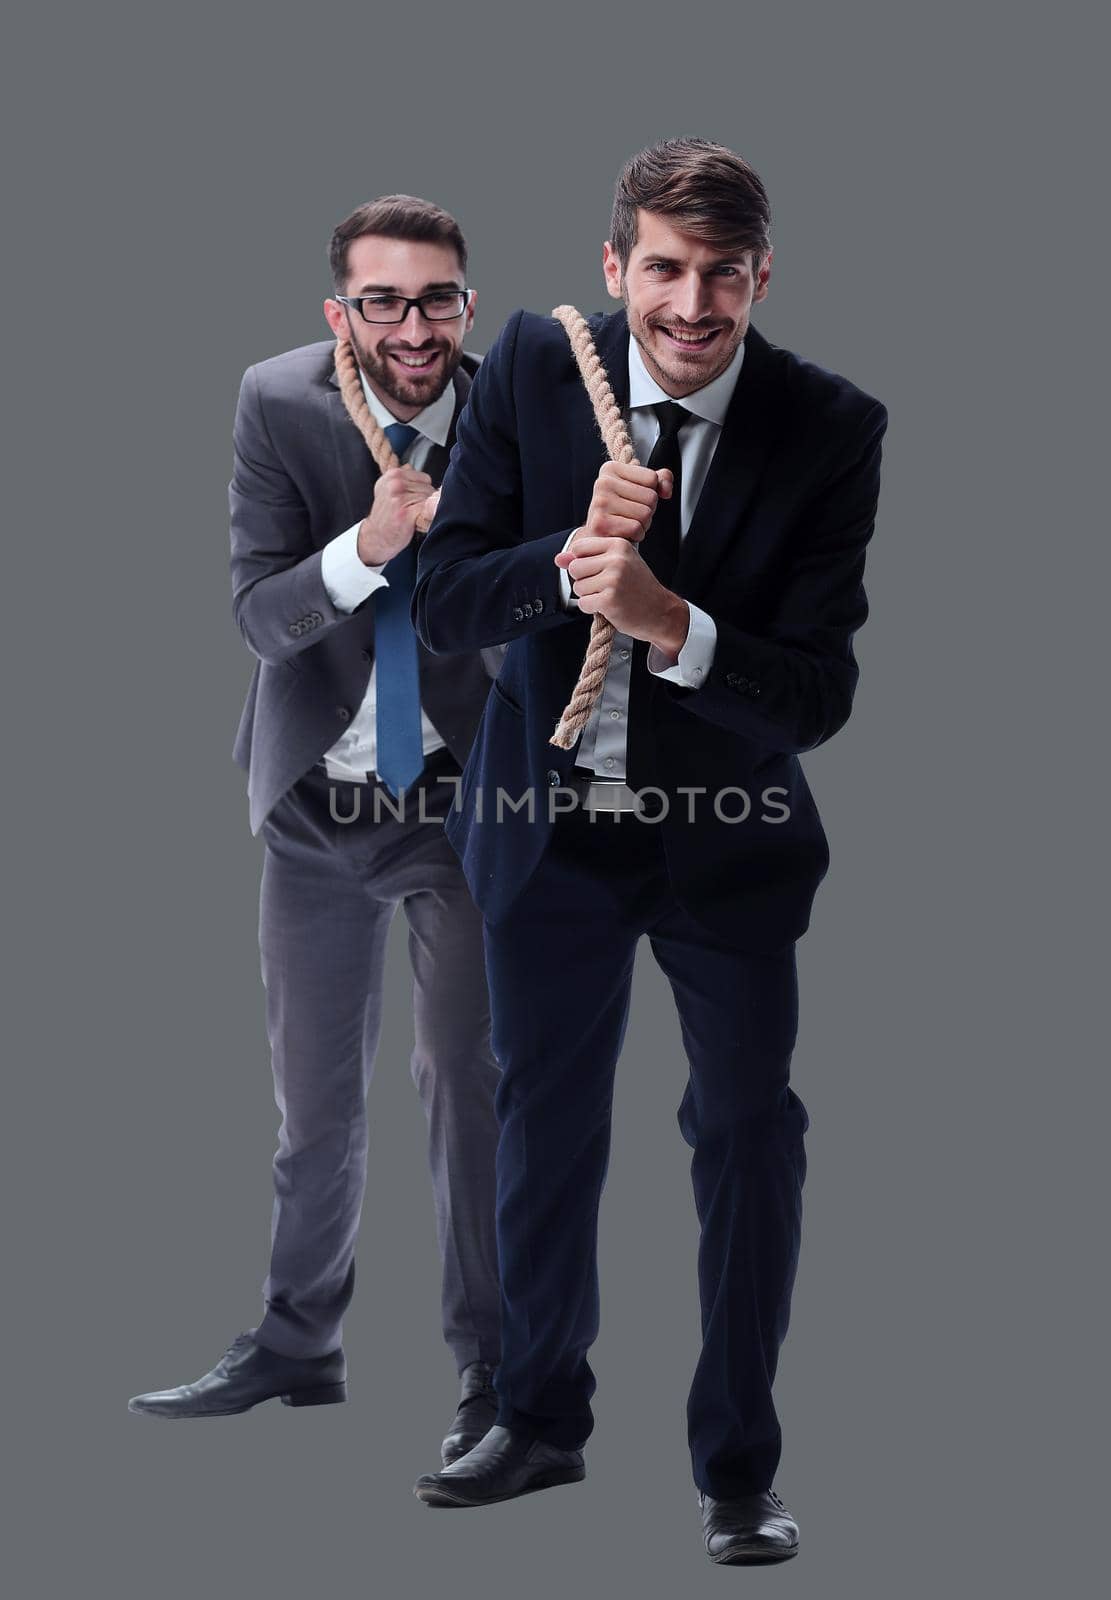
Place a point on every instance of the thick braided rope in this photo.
(350, 387)
(615, 437)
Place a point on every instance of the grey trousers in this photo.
(329, 892)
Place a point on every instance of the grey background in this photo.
(172, 183)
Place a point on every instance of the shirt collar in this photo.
(434, 422)
(711, 403)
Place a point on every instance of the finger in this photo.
(591, 544)
(666, 482)
(618, 493)
(628, 472)
(609, 525)
(409, 478)
(588, 566)
(591, 588)
(427, 513)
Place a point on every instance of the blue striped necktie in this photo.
(400, 746)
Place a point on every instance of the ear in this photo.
(336, 318)
(468, 320)
(762, 277)
(611, 267)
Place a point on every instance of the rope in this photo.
(351, 388)
(615, 437)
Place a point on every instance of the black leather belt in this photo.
(439, 765)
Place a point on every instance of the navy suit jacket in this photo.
(774, 554)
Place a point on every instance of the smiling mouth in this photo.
(415, 361)
(682, 340)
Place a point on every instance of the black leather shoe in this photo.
(476, 1414)
(245, 1374)
(500, 1467)
(754, 1528)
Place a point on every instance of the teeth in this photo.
(416, 361)
(690, 338)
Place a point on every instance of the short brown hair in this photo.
(704, 188)
(395, 216)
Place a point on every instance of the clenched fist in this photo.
(624, 499)
(399, 497)
(606, 568)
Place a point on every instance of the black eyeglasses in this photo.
(438, 306)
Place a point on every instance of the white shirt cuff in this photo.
(695, 658)
(347, 579)
(566, 593)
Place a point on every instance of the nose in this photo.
(414, 327)
(692, 298)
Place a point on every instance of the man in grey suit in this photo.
(351, 736)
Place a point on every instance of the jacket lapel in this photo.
(354, 462)
(750, 430)
(357, 474)
(355, 469)
(749, 433)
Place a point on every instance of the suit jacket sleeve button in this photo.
(343, 714)
(518, 614)
(527, 609)
(553, 778)
(538, 606)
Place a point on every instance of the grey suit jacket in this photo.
(303, 474)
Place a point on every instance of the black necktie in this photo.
(660, 545)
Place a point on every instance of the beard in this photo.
(674, 368)
(415, 389)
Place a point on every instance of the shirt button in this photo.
(698, 672)
(624, 654)
(609, 761)
(614, 715)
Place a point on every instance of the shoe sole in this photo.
(332, 1394)
(753, 1558)
(436, 1495)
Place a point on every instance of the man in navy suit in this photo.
(730, 565)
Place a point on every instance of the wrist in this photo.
(670, 634)
(369, 546)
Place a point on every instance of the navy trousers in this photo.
(560, 967)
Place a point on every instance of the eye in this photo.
(726, 272)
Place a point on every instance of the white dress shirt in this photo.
(349, 581)
(602, 748)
